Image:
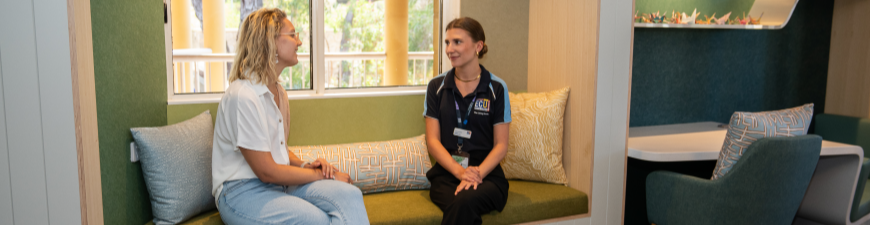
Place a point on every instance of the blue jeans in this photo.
(251, 201)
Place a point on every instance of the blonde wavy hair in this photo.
(256, 52)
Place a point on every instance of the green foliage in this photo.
(231, 13)
(360, 23)
(365, 30)
(298, 76)
(420, 25)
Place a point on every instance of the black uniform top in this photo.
(491, 107)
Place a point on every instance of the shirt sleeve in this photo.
(251, 133)
(431, 106)
(501, 112)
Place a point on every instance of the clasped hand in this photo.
(329, 171)
(469, 178)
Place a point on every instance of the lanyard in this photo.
(460, 122)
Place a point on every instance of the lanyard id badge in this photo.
(461, 158)
(461, 133)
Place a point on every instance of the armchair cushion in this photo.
(747, 127)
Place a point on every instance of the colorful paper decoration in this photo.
(693, 18)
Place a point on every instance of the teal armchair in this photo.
(856, 131)
(766, 186)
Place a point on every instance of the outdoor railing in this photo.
(193, 70)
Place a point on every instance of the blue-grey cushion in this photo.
(377, 166)
(176, 163)
(747, 127)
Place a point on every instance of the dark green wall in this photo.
(691, 75)
(130, 76)
(705, 7)
(338, 120)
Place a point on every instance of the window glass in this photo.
(199, 68)
(355, 37)
(354, 40)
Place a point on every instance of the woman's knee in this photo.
(347, 191)
(468, 196)
(332, 189)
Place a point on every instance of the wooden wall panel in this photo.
(505, 23)
(85, 110)
(848, 88)
(563, 43)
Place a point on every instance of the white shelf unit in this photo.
(776, 15)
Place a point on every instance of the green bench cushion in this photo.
(527, 201)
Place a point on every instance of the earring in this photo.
(276, 58)
(477, 53)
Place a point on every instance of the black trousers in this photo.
(467, 206)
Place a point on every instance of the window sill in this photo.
(304, 95)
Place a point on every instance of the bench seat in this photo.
(527, 201)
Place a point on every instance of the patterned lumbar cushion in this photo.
(535, 150)
(747, 127)
(176, 164)
(377, 166)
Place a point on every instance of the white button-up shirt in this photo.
(247, 117)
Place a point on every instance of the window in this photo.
(360, 49)
(355, 44)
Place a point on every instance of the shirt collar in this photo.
(482, 86)
(258, 88)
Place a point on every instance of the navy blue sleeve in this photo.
(432, 103)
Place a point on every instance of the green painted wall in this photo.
(338, 120)
(705, 7)
(130, 76)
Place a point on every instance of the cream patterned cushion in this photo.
(377, 166)
(535, 150)
(747, 127)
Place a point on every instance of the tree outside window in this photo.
(353, 38)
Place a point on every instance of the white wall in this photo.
(38, 162)
(616, 30)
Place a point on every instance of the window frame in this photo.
(449, 11)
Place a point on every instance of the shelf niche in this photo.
(776, 12)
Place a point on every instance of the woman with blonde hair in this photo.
(255, 179)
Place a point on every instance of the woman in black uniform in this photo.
(467, 123)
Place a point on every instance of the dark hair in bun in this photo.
(474, 28)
